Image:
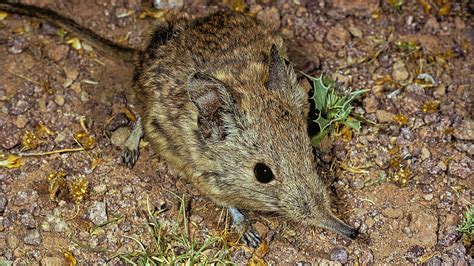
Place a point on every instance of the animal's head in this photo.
(253, 128)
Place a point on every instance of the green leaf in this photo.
(323, 123)
(320, 94)
(318, 138)
(352, 123)
(354, 94)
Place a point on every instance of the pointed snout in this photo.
(334, 224)
(345, 230)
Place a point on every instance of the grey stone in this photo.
(167, 4)
(33, 237)
(27, 219)
(97, 213)
(339, 254)
(17, 45)
(3, 202)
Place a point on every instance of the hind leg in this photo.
(248, 234)
(130, 150)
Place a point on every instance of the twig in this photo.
(82, 122)
(25, 78)
(26, 154)
(84, 149)
(365, 59)
(368, 200)
(353, 169)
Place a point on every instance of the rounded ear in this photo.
(212, 100)
(282, 77)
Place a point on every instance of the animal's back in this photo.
(227, 45)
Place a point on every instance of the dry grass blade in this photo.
(355, 170)
(174, 244)
(26, 154)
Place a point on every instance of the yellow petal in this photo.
(12, 161)
(75, 43)
(3, 15)
(70, 258)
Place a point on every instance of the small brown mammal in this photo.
(221, 107)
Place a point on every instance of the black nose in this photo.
(354, 234)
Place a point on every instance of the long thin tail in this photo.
(98, 42)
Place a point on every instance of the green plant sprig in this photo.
(467, 225)
(332, 107)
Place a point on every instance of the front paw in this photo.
(248, 235)
(251, 237)
(130, 156)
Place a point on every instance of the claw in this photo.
(249, 235)
(130, 151)
(130, 156)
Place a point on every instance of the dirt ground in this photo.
(405, 179)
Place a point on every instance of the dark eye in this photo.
(263, 173)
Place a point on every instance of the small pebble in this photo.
(425, 153)
(451, 236)
(17, 45)
(168, 4)
(462, 168)
(12, 241)
(125, 226)
(339, 254)
(33, 237)
(24, 197)
(18, 106)
(57, 52)
(358, 8)
(20, 121)
(97, 212)
(358, 184)
(428, 197)
(127, 189)
(337, 38)
(370, 104)
(465, 131)
(59, 100)
(3, 202)
(369, 222)
(100, 189)
(384, 116)
(84, 96)
(27, 219)
(366, 257)
(439, 92)
(414, 253)
(434, 261)
(400, 71)
(355, 31)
